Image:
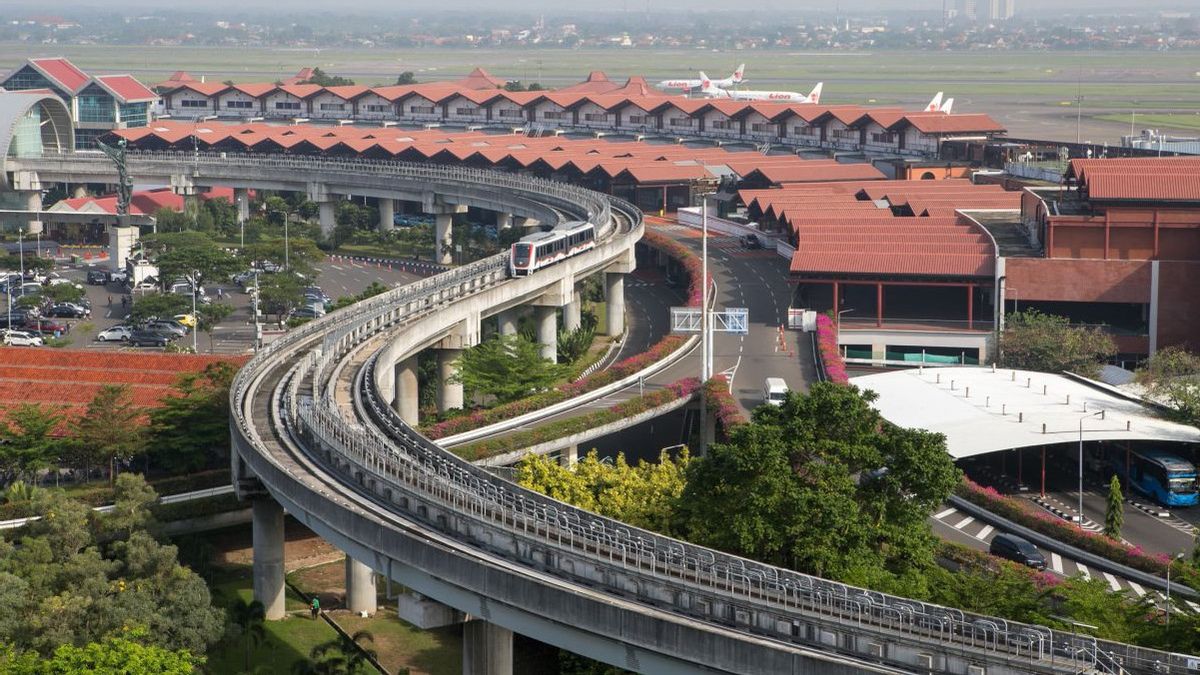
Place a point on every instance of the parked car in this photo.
(1014, 548)
(45, 326)
(58, 281)
(308, 312)
(97, 277)
(36, 276)
(118, 276)
(148, 338)
(187, 320)
(268, 266)
(167, 326)
(751, 241)
(68, 310)
(30, 288)
(245, 278)
(20, 338)
(115, 334)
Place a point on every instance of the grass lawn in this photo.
(1156, 121)
(288, 641)
(399, 644)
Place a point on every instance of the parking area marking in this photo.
(1083, 571)
(982, 534)
(964, 522)
(1136, 589)
(1056, 563)
(945, 513)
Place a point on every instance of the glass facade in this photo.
(135, 114)
(27, 137)
(85, 139)
(28, 78)
(96, 105)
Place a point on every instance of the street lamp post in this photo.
(195, 318)
(287, 256)
(1178, 556)
(1099, 414)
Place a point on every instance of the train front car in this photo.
(521, 259)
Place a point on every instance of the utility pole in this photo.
(705, 346)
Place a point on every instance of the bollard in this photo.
(939, 379)
(1068, 399)
(1020, 417)
(1043, 427)
(1014, 376)
(1003, 408)
(968, 392)
(987, 401)
(1043, 390)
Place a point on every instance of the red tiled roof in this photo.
(941, 123)
(803, 173)
(206, 88)
(1139, 179)
(142, 202)
(480, 79)
(888, 263)
(62, 71)
(255, 89)
(302, 76)
(596, 83)
(126, 88)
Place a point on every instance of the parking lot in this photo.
(234, 335)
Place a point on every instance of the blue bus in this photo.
(1166, 478)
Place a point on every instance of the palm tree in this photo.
(249, 616)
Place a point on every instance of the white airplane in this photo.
(687, 85)
(708, 89)
(947, 105)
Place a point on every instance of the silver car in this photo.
(115, 334)
(17, 338)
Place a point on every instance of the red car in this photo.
(45, 326)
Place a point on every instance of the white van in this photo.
(775, 391)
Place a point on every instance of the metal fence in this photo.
(395, 454)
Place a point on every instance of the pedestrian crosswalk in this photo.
(1065, 567)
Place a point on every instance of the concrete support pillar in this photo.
(569, 456)
(241, 199)
(267, 535)
(450, 393)
(573, 313)
(443, 240)
(407, 395)
(508, 320)
(487, 649)
(33, 202)
(360, 587)
(614, 293)
(547, 331)
(387, 214)
(328, 218)
(503, 220)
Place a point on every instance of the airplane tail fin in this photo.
(814, 96)
(947, 105)
(705, 83)
(738, 74)
(936, 104)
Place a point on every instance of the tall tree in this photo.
(1048, 343)
(190, 430)
(158, 306)
(113, 655)
(111, 430)
(178, 254)
(406, 77)
(29, 444)
(506, 367)
(249, 618)
(208, 316)
(1114, 514)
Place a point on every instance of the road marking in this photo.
(1083, 571)
(1112, 581)
(945, 513)
(1193, 606)
(1136, 589)
(964, 522)
(1056, 563)
(987, 529)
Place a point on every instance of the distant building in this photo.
(967, 9)
(98, 104)
(1001, 10)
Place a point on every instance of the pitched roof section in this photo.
(1172, 179)
(480, 79)
(125, 88)
(62, 72)
(941, 123)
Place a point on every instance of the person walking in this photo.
(316, 607)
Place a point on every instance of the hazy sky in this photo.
(565, 6)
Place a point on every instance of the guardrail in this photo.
(723, 590)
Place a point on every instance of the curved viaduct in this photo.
(322, 428)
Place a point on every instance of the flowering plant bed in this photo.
(827, 347)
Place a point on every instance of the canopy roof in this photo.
(981, 410)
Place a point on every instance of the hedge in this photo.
(721, 404)
(831, 355)
(1019, 512)
(684, 388)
